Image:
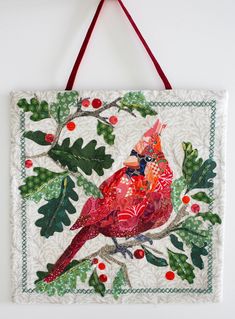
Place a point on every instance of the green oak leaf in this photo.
(176, 242)
(196, 254)
(136, 101)
(179, 264)
(87, 158)
(60, 109)
(192, 233)
(66, 282)
(106, 131)
(177, 188)
(39, 109)
(118, 282)
(154, 260)
(191, 161)
(55, 211)
(46, 184)
(202, 197)
(89, 188)
(209, 216)
(37, 136)
(94, 282)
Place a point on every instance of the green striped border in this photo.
(209, 289)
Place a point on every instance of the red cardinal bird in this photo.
(135, 199)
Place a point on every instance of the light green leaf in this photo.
(177, 188)
(191, 161)
(89, 188)
(60, 110)
(46, 184)
(118, 282)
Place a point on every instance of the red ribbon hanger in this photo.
(81, 53)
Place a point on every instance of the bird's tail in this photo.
(85, 234)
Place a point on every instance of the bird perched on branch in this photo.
(136, 198)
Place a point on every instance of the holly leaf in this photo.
(176, 242)
(37, 136)
(106, 131)
(60, 110)
(39, 109)
(66, 282)
(46, 184)
(209, 216)
(191, 161)
(87, 158)
(192, 233)
(56, 210)
(196, 254)
(89, 188)
(202, 197)
(98, 286)
(177, 188)
(154, 260)
(136, 101)
(201, 178)
(118, 282)
(179, 264)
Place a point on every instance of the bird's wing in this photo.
(95, 209)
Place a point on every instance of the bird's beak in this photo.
(132, 162)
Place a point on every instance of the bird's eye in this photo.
(148, 158)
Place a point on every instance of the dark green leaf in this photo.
(106, 131)
(209, 216)
(179, 264)
(154, 260)
(196, 254)
(96, 284)
(175, 241)
(60, 110)
(55, 211)
(46, 184)
(37, 136)
(86, 158)
(38, 109)
(202, 197)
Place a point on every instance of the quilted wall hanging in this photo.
(118, 196)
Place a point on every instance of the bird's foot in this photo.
(122, 249)
(143, 238)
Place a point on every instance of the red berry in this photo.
(85, 103)
(101, 266)
(95, 261)
(49, 138)
(71, 126)
(139, 253)
(195, 208)
(170, 275)
(28, 163)
(186, 199)
(103, 278)
(96, 103)
(113, 119)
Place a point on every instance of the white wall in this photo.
(194, 41)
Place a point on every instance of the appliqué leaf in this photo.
(37, 136)
(212, 218)
(196, 254)
(191, 161)
(60, 110)
(177, 187)
(89, 188)
(106, 131)
(179, 264)
(118, 282)
(202, 197)
(98, 286)
(38, 109)
(192, 233)
(137, 101)
(87, 158)
(54, 211)
(175, 242)
(154, 260)
(66, 282)
(46, 184)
